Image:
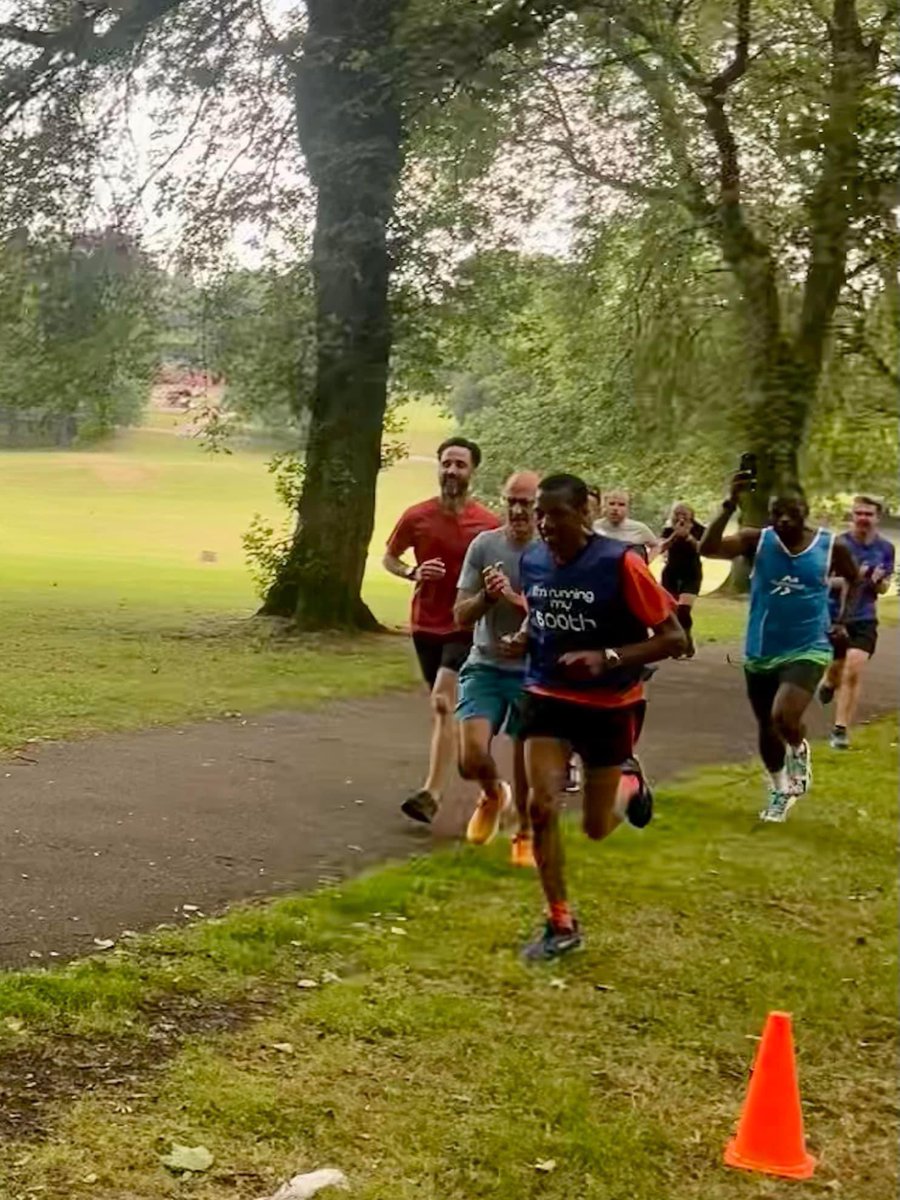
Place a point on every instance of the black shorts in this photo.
(601, 737)
(762, 686)
(436, 653)
(861, 635)
(682, 583)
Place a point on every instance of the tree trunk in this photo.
(782, 395)
(349, 125)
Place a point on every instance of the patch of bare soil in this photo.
(37, 1080)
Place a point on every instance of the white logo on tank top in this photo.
(787, 585)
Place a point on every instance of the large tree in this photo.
(762, 128)
(361, 72)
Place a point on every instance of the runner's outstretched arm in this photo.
(714, 544)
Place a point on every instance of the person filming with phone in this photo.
(790, 632)
(683, 573)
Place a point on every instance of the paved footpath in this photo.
(118, 832)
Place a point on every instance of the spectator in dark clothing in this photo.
(683, 572)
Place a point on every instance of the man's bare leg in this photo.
(602, 813)
(520, 786)
(476, 762)
(475, 759)
(443, 748)
(545, 765)
(847, 699)
(834, 675)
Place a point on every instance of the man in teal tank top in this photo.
(790, 633)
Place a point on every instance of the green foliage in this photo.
(260, 336)
(627, 363)
(622, 364)
(77, 347)
(267, 544)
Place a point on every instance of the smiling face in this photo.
(455, 470)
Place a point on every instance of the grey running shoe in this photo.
(780, 804)
(421, 806)
(553, 943)
(798, 763)
(839, 739)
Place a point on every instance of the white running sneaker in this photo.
(798, 763)
(780, 804)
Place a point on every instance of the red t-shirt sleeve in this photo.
(402, 535)
(643, 595)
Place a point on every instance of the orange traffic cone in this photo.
(770, 1131)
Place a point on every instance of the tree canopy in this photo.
(724, 176)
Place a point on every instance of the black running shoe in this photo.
(553, 943)
(421, 806)
(639, 811)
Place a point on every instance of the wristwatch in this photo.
(729, 505)
(411, 573)
(612, 658)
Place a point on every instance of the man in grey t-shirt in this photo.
(490, 685)
(617, 524)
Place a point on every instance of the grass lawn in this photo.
(114, 615)
(109, 615)
(429, 1063)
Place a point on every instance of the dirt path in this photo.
(120, 831)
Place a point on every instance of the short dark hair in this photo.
(463, 444)
(572, 485)
(871, 500)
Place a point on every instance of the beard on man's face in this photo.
(453, 485)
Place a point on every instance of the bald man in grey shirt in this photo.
(618, 525)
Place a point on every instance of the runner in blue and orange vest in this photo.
(596, 618)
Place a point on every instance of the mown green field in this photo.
(125, 597)
(426, 1061)
(109, 615)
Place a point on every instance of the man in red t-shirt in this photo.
(438, 532)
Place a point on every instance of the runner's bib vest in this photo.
(789, 598)
(578, 605)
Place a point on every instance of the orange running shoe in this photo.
(523, 851)
(485, 820)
